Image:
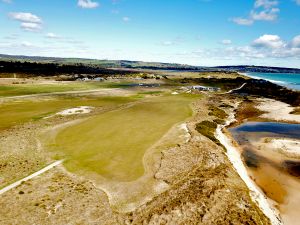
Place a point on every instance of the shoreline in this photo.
(277, 82)
(234, 157)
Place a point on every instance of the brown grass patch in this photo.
(247, 111)
(296, 111)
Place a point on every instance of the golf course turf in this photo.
(113, 144)
(17, 112)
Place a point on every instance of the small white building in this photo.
(99, 79)
(204, 88)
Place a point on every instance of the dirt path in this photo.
(236, 89)
(17, 183)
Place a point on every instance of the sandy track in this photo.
(17, 183)
(236, 89)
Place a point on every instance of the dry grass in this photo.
(247, 111)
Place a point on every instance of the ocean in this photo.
(288, 80)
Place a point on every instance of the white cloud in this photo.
(87, 4)
(295, 43)
(269, 41)
(26, 44)
(167, 43)
(265, 3)
(267, 47)
(267, 14)
(226, 42)
(242, 21)
(25, 17)
(11, 37)
(52, 36)
(29, 21)
(263, 10)
(126, 19)
(33, 27)
(297, 2)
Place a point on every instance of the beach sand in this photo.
(276, 110)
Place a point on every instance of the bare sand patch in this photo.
(75, 111)
(285, 146)
(277, 110)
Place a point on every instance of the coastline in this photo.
(235, 158)
(285, 84)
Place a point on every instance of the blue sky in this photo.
(196, 32)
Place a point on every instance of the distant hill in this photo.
(92, 64)
(259, 69)
(99, 63)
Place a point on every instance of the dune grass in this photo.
(17, 112)
(113, 144)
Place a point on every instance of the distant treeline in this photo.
(53, 69)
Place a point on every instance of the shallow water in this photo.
(267, 129)
(277, 174)
(249, 134)
(289, 80)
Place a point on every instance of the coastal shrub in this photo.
(219, 121)
(207, 129)
(224, 105)
(296, 111)
(217, 112)
(247, 111)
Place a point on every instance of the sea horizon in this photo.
(291, 81)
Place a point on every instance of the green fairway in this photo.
(14, 113)
(113, 144)
(29, 89)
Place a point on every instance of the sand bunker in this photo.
(75, 111)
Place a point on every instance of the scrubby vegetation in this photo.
(217, 112)
(254, 87)
(247, 111)
(207, 129)
(296, 111)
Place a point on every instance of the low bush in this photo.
(207, 129)
(217, 112)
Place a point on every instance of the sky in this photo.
(194, 32)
